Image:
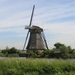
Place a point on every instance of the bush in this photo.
(1, 54)
(12, 50)
(36, 67)
(13, 55)
(4, 51)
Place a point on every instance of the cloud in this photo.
(57, 17)
(40, 14)
(10, 45)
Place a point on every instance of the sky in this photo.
(56, 17)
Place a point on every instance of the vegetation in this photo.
(59, 51)
(36, 67)
(12, 52)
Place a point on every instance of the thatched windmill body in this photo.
(37, 39)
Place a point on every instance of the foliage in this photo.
(46, 53)
(12, 50)
(13, 55)
(4, 51)
(64, 51)
(1, 54)
(57, 45)
(60, 51)
(31, 54)
(36, 67)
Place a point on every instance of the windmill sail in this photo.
(29, 25)
(45, 40)
(32, 15)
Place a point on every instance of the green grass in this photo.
(36, 67)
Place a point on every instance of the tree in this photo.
(4, 51)
(12, 50)
(32, 54)
(57, 45)
(46, 53)
(63, 50)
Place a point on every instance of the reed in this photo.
(13, 66)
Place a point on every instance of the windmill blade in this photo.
(32, 16)
(29, 26)
(25, 40)
(45, 40)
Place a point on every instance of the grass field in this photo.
(13, 66)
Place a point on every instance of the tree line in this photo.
(59, 51)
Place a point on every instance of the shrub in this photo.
(13, 55)
(12, 50)
(1, 54)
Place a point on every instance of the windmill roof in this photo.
(37, 28)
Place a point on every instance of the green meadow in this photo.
(13, 66)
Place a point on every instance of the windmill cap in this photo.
(36, 28)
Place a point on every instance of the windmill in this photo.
(37, 39)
